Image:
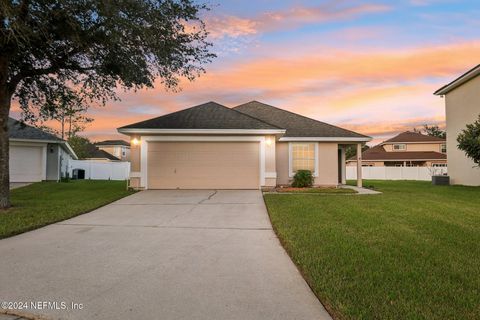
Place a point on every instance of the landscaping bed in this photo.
(43, 203)
(411, 252)
(314, 190)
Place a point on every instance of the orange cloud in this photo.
(232, 26)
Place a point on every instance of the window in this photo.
(443, 148)
(399, 146)
(303, 157)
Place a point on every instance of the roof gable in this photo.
(295, 124)
(210, 115)
(20, 130)
(410, 136)
(467, 76)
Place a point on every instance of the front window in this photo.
(303, 157)
(443, 148)
(399, 146)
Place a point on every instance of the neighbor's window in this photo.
(399, 146)
(443, 148)
(303, 157)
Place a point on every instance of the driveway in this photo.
(190, 254)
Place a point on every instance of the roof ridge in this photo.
(325, 123)
(175, 112)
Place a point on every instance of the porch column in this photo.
(343, 164)
(359, 165)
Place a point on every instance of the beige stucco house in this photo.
(462, 104)
(120, 149)
(407, 149)
(251, 146)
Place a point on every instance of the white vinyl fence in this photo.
(396, 173)
(101, 170)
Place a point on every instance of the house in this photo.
(251, 146)
(36, 155)
(462, 104)
(120, 149)
(100, 155)
(407, 149)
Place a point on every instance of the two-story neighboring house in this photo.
(462, 104)
(120, 149)
(408, 149)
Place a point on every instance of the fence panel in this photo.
(102, 170)
(396, 173)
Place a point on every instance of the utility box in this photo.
(440, 180)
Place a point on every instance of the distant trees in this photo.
(351, 151)
(433, 131)
(469, 141)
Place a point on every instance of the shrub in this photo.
(302, 179)
(469, 141)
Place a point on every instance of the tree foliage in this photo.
(53, 50)
(469, 141)
(351, 151)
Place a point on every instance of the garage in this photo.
(203, 165)
(27, 163)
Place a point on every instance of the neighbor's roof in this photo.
(95, 153)
(295, 124)
(410, 136)
(378, 153)
(210, 115)
(20, 130)
(113, 143)
(467, 76)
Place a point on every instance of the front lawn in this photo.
(412, 252)
(44, 203)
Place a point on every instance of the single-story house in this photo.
(407, 149)
(251, 146)
(36, 155)
(462, 104)
(120, 149)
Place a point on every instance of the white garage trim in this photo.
(144, 150)
(201, 131)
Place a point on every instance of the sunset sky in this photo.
(370, 66)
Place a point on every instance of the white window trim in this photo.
(144, 150)
(290, 162)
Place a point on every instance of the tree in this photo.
(351, 151)
(70, 113)
(434, 131)
(82, 146)
(469, 141)
(86, 49)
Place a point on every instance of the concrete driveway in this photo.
(195, 254)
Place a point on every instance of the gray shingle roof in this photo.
(113, 143)
(210, 115)
(295, 124)
(20, 130)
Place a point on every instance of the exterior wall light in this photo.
(269, 141)
(135, 141)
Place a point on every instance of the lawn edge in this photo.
(328, 307)
(60, 220)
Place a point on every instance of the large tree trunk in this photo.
(5, 99)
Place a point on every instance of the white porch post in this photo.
(343, 165)
(359, 165)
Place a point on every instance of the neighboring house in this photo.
(250, 146)
(36, 155)
(462, 103)
(100, 155)
(118, 148)
(407, 149)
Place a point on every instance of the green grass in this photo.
(317, 190)
(412, 252)
(44, 203)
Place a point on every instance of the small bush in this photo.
(302, 179)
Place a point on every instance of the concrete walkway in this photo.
(361, 191)
(160, 255)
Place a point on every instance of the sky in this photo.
(368, 66)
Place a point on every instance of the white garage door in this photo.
(26, 164)
(203, 165)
